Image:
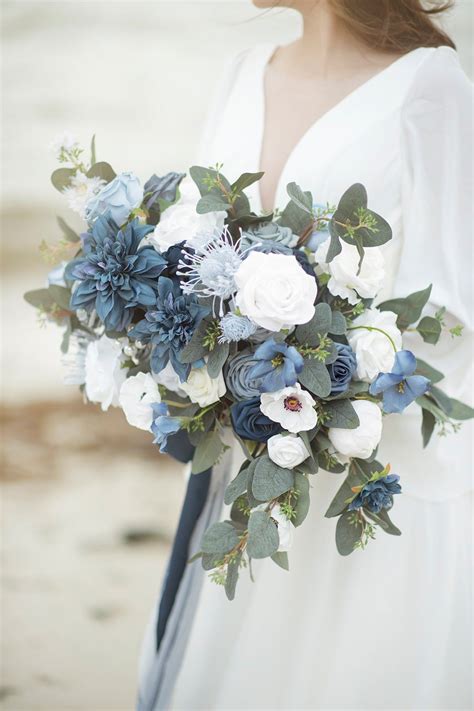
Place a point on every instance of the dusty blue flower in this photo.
(378, 494)
(118, 198)
(236, 328)
(237, 376)
(266, 232)
(249, 422)
(115, 274)
(400, 387)
(343, 368)
(169, 326)
(304, 263)
(278, 365)
(164, 188)
(163, 425)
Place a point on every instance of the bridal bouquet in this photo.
(191, 312)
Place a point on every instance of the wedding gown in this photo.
(388, 627)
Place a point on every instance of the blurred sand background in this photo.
(88, 506)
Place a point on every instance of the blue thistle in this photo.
(115, 274)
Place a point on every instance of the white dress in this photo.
(388, 627)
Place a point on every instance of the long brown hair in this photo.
(394, 25)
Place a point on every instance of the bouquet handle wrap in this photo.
(170, 625)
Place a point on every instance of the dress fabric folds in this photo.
(388, 627)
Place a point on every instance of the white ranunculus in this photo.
(287, 451)
(203, 389)
(344, 280)
(181, 222)
(137, 395)
(292, 407)
(274, 291)
(169, 378)
(374, 351)
(361, 441)
(104, 372)
(285, 527)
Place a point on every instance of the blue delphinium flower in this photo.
(169, 326)
(343, 368)
(163, 425)
(249, 422)
(236, 328)
(378, 494)
(278, 366)
(115, 274)
(400, 387)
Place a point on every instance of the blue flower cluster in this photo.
(378, 494)
(169, 326)
(115, 274)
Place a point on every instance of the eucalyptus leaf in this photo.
(232, 576)
(303, 199)
(341, 414)
(212, 203)
(348, 532)
(429, 329)
(207, 452)
(315, 377)
(93, 152)
(423, 368)
(236, 487)
(297, 219)
(329, 464)
(202, 176)
(302, 501)
(40, 299)
(245, 180)
(441, 399)
(310, 332)
(216, 359)
(210, 560)
(460, 411)
(270, 480)
(220, 538)
(338, 325)
(335, 246)
(102, 170)
(61, 178)
(408, 309)
(263, 539)
(384, 521)
(67, 231)
(61, 296)
(281, 559)
(427, 426)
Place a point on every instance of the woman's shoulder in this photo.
(439, 78)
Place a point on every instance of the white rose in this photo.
(292, 407)
(137, 395)
(287, 451)
(274, 291)
(203, 389)
(345, 281)
(285, 527)
(181, 222)
(374, 351)
(361, 441)
(169, 378)
(104, 372)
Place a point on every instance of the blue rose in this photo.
(249, 422)
(343, 368)
(119, 197)
(238, 379)
(377, 495)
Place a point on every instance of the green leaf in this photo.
(429, 329)
(212, 203)
(409, 309)
(201, 177)
(326, 463)
(216, 359)
(61, 178)
(359, 472)
(428, 404)
(335, 246)
(315, 377)
(423, 368)
(441, 399)
(220, 538)
(384, 521)
(61, 296)
(302, 501)
(308, 333)
(236, 487)
(39, 298)
(304, 200)
(263, 540)
(341, 414)
(354, 199)
(338, 325)
(102, 170)
(348, 533)
(295, 218)
(207, 452)
(194, 350)
(460, 411)
(93, 155)
(281, 559)
(232, 576)
(210, 560)
(67, 231)
(270, 480)
(427, 426)
(245, 180)
(238, 516)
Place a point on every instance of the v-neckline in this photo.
(321, 120)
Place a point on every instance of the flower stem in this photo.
(374, 328)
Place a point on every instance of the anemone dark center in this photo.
(292, 403)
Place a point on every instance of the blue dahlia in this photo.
(115, 274)
(169, 326)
